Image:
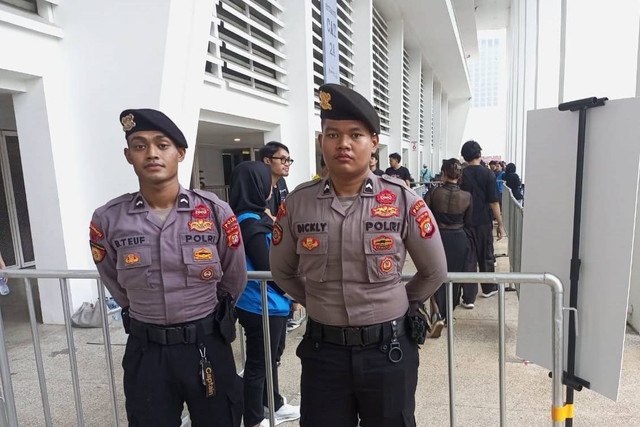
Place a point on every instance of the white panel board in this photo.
(609, 208)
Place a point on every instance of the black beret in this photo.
(471, 150)
(147, 119)
(341, 103)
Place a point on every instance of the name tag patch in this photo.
(130, 241)
(311, 227)
(199, 238)
(382, 226)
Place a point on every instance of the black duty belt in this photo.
(170, 335)
(348, 336)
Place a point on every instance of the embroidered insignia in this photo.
(282, 211)
(127, 122)
(386, 197)
(368, 186)
(233, 238)
(131, 259)
(183, 202)
(325, 100)
(207, 273)
(200, 225)
(382, 243)
(386, 265)
(417, 206)
(310, 243)
(202, 254)
(424, 216)
(327, 188)
(276, 235)
(98, 252)
(201, 211)
(95, 233)
(230, 224)
(385, 211)
(139, 202)
(427, 227)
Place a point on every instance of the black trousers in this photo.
(482, 236)
(158, 379)
(255, 378)
(456, 246)
(343, 384)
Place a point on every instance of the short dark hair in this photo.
(376, 155)
(471, 150)
(452, 168)
(395, 156)
(270, 148)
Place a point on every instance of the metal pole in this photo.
(452, 393)
(502, 359)
(106, 337)
(267, 351)
(37, 350)
(7, 386)
(557, 300)
(64, 289)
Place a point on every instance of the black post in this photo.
(570, 380)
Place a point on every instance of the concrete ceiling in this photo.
(222, 136)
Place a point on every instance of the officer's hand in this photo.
(296, 306)
(499, 232)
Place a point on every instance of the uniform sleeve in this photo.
(232, 257)
(424, 244)
(285, 260)
(105, 257)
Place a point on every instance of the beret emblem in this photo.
(325, 99)
(127, 122)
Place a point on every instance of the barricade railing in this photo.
(513, 217)
(8, 413)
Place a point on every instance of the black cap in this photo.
(147, 119)
(471, 150)
(341, 103)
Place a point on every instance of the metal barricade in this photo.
(8, 404)
(513, 217)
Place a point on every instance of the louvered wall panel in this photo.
(380, 46)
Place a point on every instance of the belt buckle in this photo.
(353, 336)
(189, 333)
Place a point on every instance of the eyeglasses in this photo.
(284, 160)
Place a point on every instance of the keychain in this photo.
(206, 372)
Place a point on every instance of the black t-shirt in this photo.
(280, 192)
(401, 173)
(481, 183)
(378, 172)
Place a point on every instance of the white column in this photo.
(428, 105)
(436, 160)
(415, 68)
(444, 127)
(396, 44)
(362, 50)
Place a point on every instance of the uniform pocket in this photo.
(203, 264)
(312, 250)
(382, 267)
(133, 267)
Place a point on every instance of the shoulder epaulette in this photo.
(307, 184)
(125, 198)
(209, 196)
(395, 181)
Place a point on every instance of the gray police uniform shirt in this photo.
(168, 272)
(345, 267)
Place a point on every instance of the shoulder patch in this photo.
(125, 198)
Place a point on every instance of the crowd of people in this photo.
(176, 260)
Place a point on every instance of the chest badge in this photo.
(207, 273)
(427, 227)
(202, 254)
(385, 211)
(200, 224)
(201, 211)
(386, 265)
(417, 206)
(382, 243)
(310, 243)
(131, 259)
(386, 197)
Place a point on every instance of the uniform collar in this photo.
(369, 188)
(139, 204)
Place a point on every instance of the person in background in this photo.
(173, 259)
(250, 190)
(323, 169)
(4, 287)
(513, 182)
(499, 171)
(398, 171)
(452, 208)
(492, 166)
(276, 155)
(374, 164)
(425, 174)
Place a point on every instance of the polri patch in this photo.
(276, 234)
(233, 238)
(386, 265)
(202, 254)
(386, 197)
(95, 233)
(417, 206)
(382, 243)
(207, 273)
(230, 224)
(427, 227)
(201, 211)
(200, 225)
(98, 252)
(282, 211)
(385, 211)
(310, 243)
(132, 259)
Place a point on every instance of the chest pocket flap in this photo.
(313, 255)
(133, 266)
(203, 264)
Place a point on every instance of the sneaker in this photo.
(467, 305)
(265, 423)
(287, 413)
(489, 294)
(292, 324)
(436, 329)
(4, 288)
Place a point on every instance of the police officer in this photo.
(168, 256)
(339, 244)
